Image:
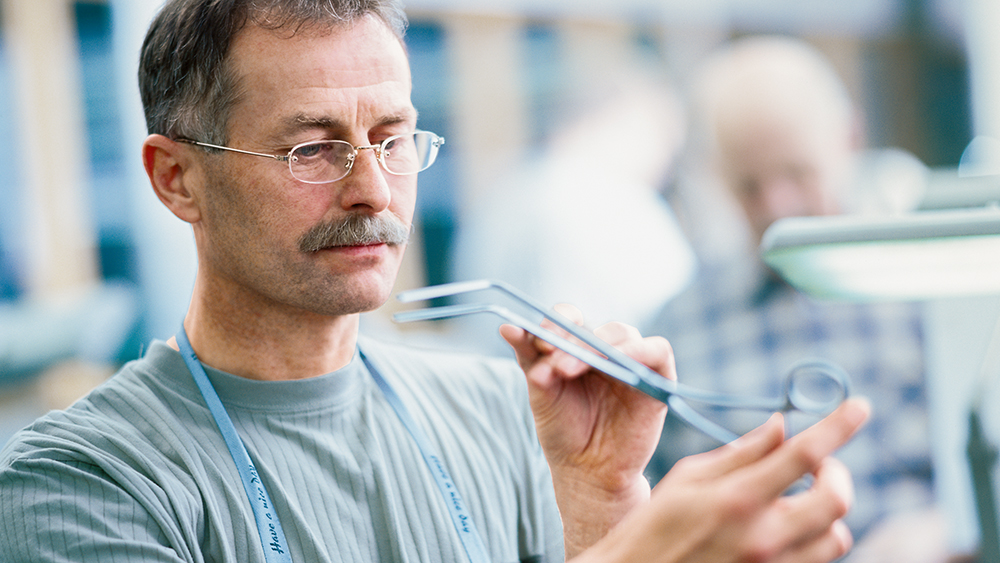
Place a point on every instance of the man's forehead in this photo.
(318, 76)
(326, 46)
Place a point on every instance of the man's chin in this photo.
(363, 296)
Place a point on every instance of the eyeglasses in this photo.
(322, 162)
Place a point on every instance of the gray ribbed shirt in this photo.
(138, 471)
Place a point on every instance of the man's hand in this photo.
(598, 433)
(728, 505)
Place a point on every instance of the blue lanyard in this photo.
(272, 538)
(460, 516)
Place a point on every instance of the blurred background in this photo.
(92, 267)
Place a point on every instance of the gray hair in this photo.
(773, 76)
(188, 88)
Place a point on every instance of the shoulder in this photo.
(121, 449)
(126, 425)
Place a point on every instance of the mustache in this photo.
(356, 230)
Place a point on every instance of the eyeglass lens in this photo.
(329, 161)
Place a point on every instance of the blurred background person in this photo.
(780, 132)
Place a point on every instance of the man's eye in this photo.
(311, 150)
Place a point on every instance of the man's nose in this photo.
(781, 197)
(366, 185)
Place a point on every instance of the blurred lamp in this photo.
(946, 251)
(918, 255)
(949, 248)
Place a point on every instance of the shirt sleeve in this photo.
(60, 509)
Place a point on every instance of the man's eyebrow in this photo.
(307, 122)
(301, 122)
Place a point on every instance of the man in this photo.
(784, 138)
(152, 466)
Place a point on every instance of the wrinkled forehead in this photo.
(366, 44)
(347, 70)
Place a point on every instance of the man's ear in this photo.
(169, 166)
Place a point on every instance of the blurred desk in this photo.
(54, 350)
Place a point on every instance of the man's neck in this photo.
(268, 341)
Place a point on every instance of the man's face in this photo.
(351, 84)
(778, 170)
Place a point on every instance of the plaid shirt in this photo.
(738, 329)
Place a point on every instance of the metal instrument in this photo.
(800, 382)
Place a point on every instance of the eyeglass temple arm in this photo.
(278, 157)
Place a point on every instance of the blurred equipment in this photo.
(948, 249)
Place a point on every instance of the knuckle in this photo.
(661, 345)
(809, 457)
(839, 506)
(688, 469)
(689, 463)
(762, 550)
(739, 505)
(616, 332)
(685, 465)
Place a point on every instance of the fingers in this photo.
(810, 521)
(833, 544)
(532, 351)
(571, 313)
(827, 501)
(743, 525)
(743, 452)
(653, 351)
(521, 341)
(617, 333)
(805, 452)
(518, 338)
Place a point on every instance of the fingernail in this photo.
(844, 536)
(860, 409)
(775, 419)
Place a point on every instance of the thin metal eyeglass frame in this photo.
(379, 150)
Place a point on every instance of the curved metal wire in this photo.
(626, 369)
